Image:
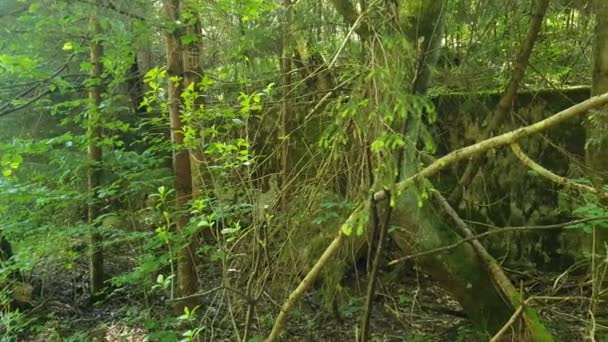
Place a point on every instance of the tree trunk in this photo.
(94, 154)
(596, 147)
(192, 78)
(596, 152)
(284, 129)
(187, 279)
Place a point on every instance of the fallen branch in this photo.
(432, 169)
(505, 288)
(509, 323)
(499, 141)
(552, 176)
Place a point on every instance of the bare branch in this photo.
(449, 247)
(8, 108)
(110, 5)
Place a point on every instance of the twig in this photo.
(373, 275)
(492, 232)
(202, 294)
(509, 323)
(249, 287)
(295, 296)
(593, 325)
(594, 286)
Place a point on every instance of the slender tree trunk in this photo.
(596, 152)
(192, 77)
(193, 74)
(94, 154)
(596, 147)
(186, 273)
(284, 129)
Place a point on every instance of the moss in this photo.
(537, 329)
(460, 272)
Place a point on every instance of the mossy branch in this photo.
(526, 160)
(509, 293)
(499, 141)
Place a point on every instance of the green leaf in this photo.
(34, 8)
(204, 223)
(68, 46)
(346, 229)
(188, 39)
(377, 145)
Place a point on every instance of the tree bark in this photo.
(596, 151)
(596, 146)
(94, 154)
(187, 279)
(284, 129)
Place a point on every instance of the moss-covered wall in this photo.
(505, 192)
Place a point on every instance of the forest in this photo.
(303, 170)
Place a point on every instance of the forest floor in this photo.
(414, 309)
